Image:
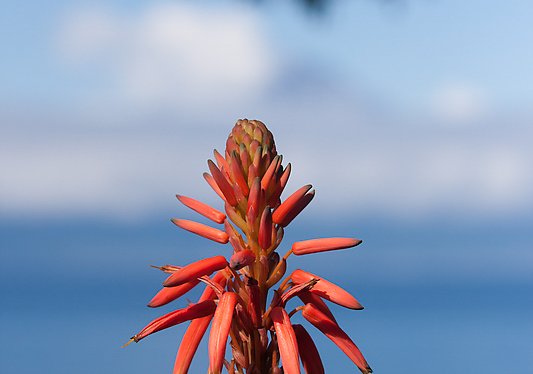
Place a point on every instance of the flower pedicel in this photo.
(250, 179)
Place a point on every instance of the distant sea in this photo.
(439, 297)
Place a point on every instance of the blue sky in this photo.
(415, 44)
(412, 120)
(413, 88)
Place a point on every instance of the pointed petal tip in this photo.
(204, 209)
(200, 229)
(293, 205)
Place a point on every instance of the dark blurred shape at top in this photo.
(318, 6)
(315, 5)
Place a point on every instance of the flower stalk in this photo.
(245, 300)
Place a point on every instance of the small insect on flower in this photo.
(245, 300)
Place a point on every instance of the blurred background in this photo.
(411, 118)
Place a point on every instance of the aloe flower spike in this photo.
(242, 301)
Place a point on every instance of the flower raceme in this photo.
(245, 300)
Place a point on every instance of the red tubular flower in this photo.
(238, 173)
(202, 230)
(337, 335)
(308, 352)
(327, 290)
(168, 294)
(193, 311)
(195, 331)
(189, 344)
(311, 298)
(196, 270)
(204, 209)
(222, 183)
(220, 331)
(241, 300)
(265, 229)
(211, 182)
(291, 207)
(288, 347)
(323, 245)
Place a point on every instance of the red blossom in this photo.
(245, 300)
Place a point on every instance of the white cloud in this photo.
(406, 173)
(367, 170)
(457, 102)
(169, 55)
(118, 175)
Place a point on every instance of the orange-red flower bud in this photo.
(285, 176)
(288, 347)
(310, 298)
(168, 294)
(193, 311)
(204, 209)
(292, 206)
(323, 245)
(255, 197)
(207, 232)
(256, 158)
(337, 336)
(238, 174)
(189, 344)
(231, 145)
(238, 300)
(245, 158)
(196, 330)
(308, 351)
(252, 174)
(326, 290)
(209, 179)
(265, 229)
(222, 183)
(269, 174)
(220, 331)
(273, 200)
(196, 270)
(221, 162)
